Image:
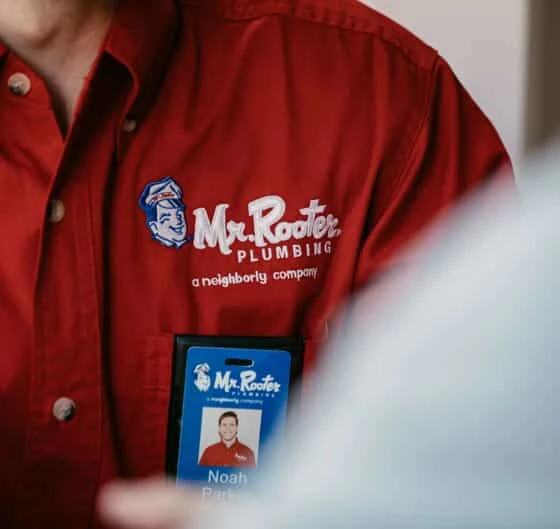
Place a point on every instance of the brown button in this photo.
(19, 84)
(64, 409)
(130, 125)
(56, 211)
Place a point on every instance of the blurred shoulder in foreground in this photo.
(445, 414)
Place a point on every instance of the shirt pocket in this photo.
(151, 446)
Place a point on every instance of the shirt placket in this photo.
(66, 418)
(63, 437)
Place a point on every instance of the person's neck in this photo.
(30, 27)
(229, 444)
(60, 40)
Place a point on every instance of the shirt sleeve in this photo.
(204, 460)
(454, 150)
(251, 458)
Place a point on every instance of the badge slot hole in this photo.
(242, 362)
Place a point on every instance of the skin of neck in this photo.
(37, 27)
(60, 40)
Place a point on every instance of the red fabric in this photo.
(220, 455)
(359, 132)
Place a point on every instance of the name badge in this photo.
(230, 400)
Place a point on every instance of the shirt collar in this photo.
(141, 38)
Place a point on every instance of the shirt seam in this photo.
(410, 154)
(338, 18)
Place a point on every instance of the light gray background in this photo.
(486, 44)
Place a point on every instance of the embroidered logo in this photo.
(268, 230)
(162, 203)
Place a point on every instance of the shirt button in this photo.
(64, 409)
(56, 211)
(130, 125)
(19, 84)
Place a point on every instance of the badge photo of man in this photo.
(229, 451)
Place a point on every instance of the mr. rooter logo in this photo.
(225, 381)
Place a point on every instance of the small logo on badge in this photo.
(162, 203)
(202, 380)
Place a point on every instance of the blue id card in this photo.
(230, 402)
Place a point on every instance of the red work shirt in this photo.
(221, 455)
(235, 167)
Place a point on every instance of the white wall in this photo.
(485, 41)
